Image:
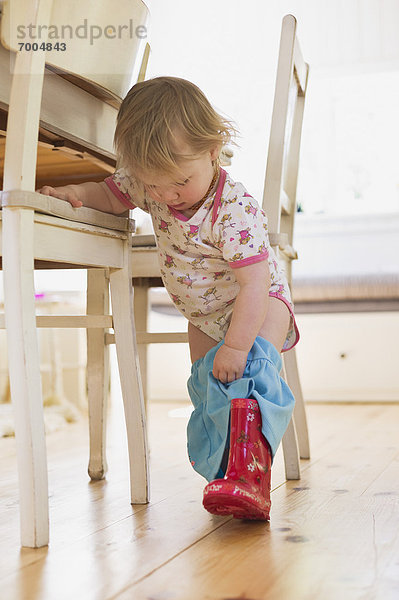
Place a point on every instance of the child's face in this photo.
(188, 189)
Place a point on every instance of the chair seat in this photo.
(143, 240)
(148, 239)
(75, 231)
(147, 264)
(59, 208)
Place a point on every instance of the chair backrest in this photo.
(100, 47)
(279, 197)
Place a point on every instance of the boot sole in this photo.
(239, 508)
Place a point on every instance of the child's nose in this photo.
(169, 195)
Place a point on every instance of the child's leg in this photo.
(200, 343)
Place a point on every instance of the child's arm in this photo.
(247, 319)
(90, 194)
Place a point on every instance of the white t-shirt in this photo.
(198, 255)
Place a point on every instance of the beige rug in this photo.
(57, 414)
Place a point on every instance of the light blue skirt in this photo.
(208, 427)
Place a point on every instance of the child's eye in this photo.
(183, 182)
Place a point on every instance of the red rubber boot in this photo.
(244, 492)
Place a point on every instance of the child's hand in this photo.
(63, 193)
(229, 364)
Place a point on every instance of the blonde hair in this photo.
(157, 111)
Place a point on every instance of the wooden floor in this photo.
(333, 535)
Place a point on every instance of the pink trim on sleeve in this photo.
(249, 260)
(289, 306)
(218, 195)
(124, 198)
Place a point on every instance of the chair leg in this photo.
(290, 447)
(290, 451)
(141, 318)
(97, 372)
(24, 369)
(291, 367)
(129, 373)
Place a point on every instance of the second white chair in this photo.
(279, 199)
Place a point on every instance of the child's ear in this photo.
(215, 151)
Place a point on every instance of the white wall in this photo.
(349, 357)
(341, 357)
(229, 48)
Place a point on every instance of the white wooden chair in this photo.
(76, 103)
(280, 205)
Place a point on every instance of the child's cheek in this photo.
(153, 195)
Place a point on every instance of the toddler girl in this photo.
(222, 275)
